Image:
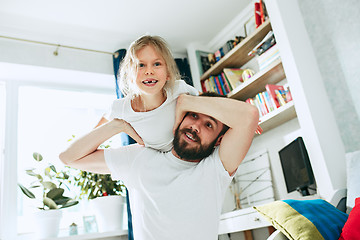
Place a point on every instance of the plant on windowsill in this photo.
(50, 197)
(93, 185)
(106, 195)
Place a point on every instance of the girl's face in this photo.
(152, 71)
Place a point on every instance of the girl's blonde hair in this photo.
(129, 65)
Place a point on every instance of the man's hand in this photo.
(180, 110)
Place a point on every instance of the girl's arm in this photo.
(241, 118)
(84, 154)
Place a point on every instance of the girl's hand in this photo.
(129, 130)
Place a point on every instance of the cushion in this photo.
(353, 177)
(305, 219)
(351, 230)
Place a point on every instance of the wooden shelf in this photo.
(270, 75)
(273, 74)
(238, 56)
(278, 116)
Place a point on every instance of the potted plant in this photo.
(107, 196)
(50, 198)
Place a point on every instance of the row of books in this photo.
(224, 82)
(207, 59)
(274, 97)
(221, 52)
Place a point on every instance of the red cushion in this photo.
(351, 230)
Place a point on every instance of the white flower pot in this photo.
(109, 212)
(47, 223)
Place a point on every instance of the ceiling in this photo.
(112, 24)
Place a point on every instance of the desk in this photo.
(241, 220)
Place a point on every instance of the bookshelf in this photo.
(272, 74)
(238, 56)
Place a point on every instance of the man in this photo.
(178, 194)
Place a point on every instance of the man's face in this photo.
(196, 136)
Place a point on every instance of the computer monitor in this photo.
(296, 167)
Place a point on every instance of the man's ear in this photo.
(219, 140)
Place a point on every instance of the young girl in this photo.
(150, 82)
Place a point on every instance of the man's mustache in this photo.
(193, 133)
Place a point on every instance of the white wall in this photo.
(334, 30)
(19, 52)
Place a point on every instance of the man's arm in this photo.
(241, 118)
(84, 153)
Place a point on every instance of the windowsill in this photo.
(64, 234)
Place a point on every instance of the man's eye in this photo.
(194, 115)
(209, 125)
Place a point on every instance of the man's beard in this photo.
(195, 153)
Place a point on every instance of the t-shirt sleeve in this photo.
(223, 174)
(120, 161)
(116, 110)
(183, 87)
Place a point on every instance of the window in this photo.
(47, 118)
(40, 109)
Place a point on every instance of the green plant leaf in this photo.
(69, 204)
(48, 185)
(50, 203)
(55, 193)
(52, 167)
(37, 156)
(40, 177)
(26, 191)
(47, 172)
(62, 201)
(30, 172)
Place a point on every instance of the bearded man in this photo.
(176, 194)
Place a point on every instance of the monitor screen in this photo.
(296, 167)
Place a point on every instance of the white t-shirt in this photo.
(154, 127)
(170, 198)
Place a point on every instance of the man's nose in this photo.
(195, 127)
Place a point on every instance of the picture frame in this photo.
(90, 224)
(249, 26)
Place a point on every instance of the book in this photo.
(234, 75)
(226, 81)
(270, 88)
(268, 57)
(260, 104)
(268, 102)
(218, 86)
(280, 94)
(264, 103)
(211, 84)
(223, 81)
(222, 84)
(203, 87)
(217, 55)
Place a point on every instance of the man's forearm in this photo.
(90, 142)
(228, 111)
